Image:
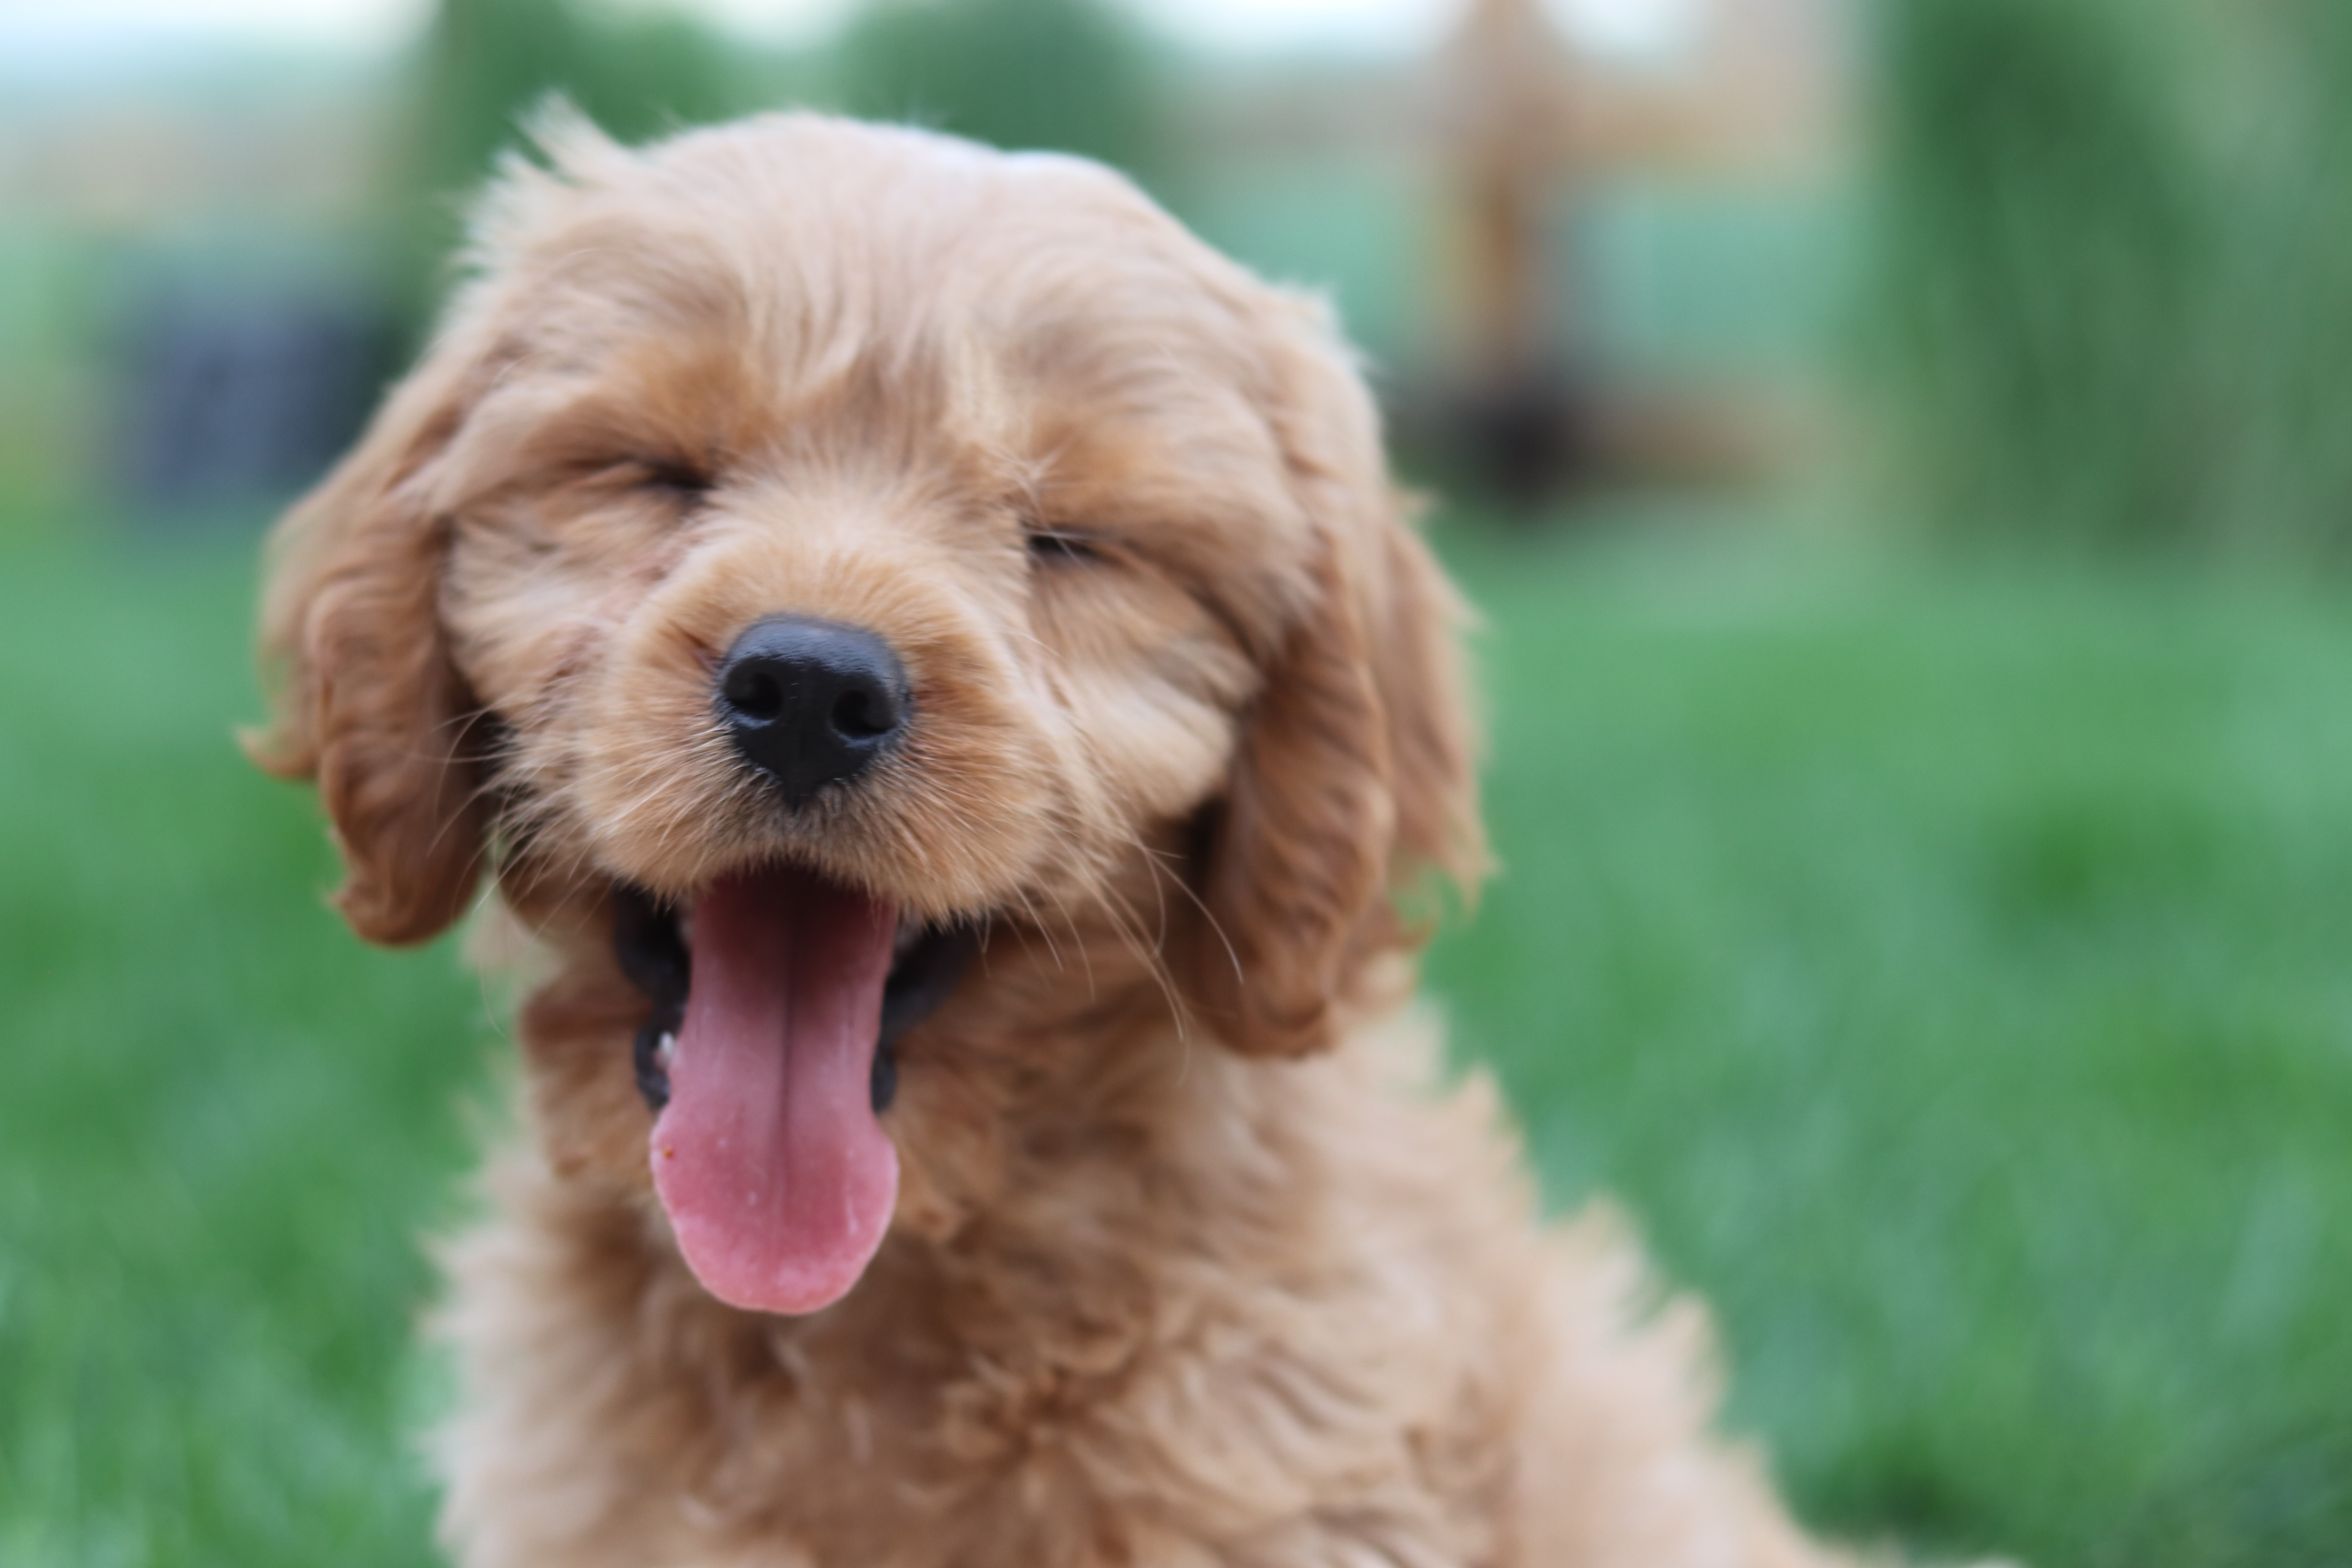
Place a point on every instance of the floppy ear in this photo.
(366, 700)
(1355, 777)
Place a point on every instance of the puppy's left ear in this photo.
(1355, 784)
(367, 701)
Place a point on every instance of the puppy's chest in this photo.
(856, 1450)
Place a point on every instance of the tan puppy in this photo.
(929, 655)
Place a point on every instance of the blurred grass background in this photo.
(1928, 845)
(1944, 968)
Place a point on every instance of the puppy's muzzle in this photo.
(811, 703)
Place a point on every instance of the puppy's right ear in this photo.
(365, 699)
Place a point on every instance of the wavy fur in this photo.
(1197, 1259)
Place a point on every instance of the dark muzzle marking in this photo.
(653, 955)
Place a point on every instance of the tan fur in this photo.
(1172, 1281)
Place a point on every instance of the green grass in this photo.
(222, 1124)
(1952, 973)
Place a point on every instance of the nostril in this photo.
(755, 693)
(861, 713)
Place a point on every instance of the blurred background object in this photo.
(2111, 268)
(1589, 242)
(1904, 451)
(1532, 134)
(1068, 76)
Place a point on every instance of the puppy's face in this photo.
(1003, 490)
(829, 539)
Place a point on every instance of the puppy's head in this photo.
(834, 536)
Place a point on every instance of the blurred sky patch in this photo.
(39, 36)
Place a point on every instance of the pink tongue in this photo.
(777, 1180)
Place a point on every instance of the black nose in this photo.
(811, 703)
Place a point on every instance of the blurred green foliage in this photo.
(486, 61)
(1069, 75)
(2113, 268)
(486, 64)
(2046, 261)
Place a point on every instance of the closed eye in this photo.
(1059, 547)
(683, 482)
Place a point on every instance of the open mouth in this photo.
(779, 1000)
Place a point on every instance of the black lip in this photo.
(653, 955)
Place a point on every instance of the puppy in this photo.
(929, 660)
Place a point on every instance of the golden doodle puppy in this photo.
(929, 659)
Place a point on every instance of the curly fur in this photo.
(1196, 1258)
